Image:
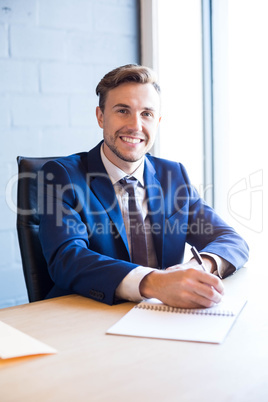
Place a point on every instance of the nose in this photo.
(135, 122)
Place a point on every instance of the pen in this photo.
(198, 258)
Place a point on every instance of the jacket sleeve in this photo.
(65, 235)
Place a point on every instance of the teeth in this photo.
(131, 140)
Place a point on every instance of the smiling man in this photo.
(118, 219)
(129, 121)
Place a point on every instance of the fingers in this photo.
(203, 289)
(213, 281)
(206, 295)
(186, 288)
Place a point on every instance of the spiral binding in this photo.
(178, 310)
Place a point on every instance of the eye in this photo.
(147, 114)
(122, 111)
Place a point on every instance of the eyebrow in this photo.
(128, 107)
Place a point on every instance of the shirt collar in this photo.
(116, 174)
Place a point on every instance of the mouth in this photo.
(131, 140)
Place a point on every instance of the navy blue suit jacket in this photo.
(82, 230)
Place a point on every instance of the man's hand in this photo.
(183, 286)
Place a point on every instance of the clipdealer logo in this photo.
(245, 201)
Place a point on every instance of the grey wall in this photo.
(52, 55)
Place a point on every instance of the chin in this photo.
(131, 159)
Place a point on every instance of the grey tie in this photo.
(137, 227)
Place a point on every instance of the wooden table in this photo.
(92, 366)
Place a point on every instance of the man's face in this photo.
(129, 122)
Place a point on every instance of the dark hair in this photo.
(120, 75)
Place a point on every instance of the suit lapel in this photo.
(102, 187)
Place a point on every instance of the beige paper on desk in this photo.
(14, 343)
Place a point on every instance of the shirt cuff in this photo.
(128, 289)
(221, 264)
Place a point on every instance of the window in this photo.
(240, 65)
(180, 76)
(239, 100)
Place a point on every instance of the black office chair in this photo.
(30, 187)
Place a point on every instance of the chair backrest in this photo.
(30, 192)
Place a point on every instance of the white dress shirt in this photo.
(128, 289)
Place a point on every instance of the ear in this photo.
(99, 116)
(159, 120)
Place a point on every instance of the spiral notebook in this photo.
(153, 319)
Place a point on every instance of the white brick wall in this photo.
(52, 55)
(66, 78)
(18, 76)
(4, 112)
(39, 110)
(3, 41)
(37, 43)
(68, 14)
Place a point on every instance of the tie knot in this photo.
(129, 184)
